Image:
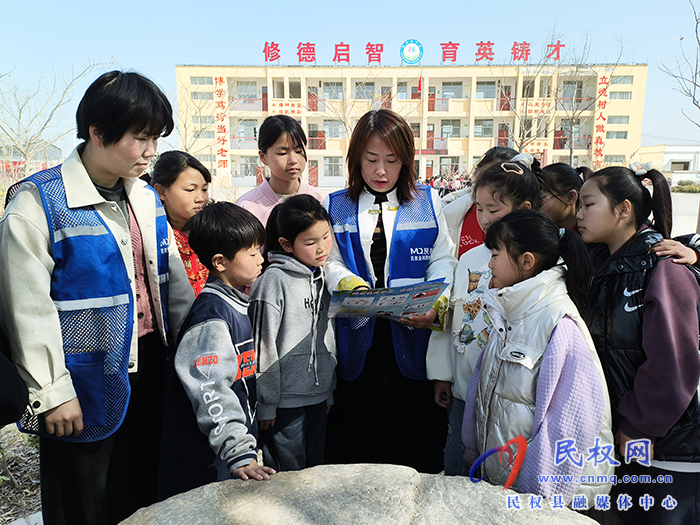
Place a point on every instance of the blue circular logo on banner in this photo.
(411, 51)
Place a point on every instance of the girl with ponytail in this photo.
(539, 377)
(642, 314)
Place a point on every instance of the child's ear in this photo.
(160, 189)
(218, 262)
(527, 262)
(527, 205)
(624, 209)
(571, 198)
(285, 244)
(262, 157)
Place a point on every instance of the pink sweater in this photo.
(260, 201)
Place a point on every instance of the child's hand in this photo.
(682, 254)
(420, 321)
(253, 471)
(443, 393)
(264, 424)
(622, 439)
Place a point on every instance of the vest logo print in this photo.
(421, 254)
(205, 363)
(517, 461)
(627, 293)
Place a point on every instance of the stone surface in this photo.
(349, 494)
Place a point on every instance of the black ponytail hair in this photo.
(512, 183)
(619, 183)
(532, 231)
(290, 218)
(559, 179)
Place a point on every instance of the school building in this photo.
(584, 115)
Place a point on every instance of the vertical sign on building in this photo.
(222, 134)
(599, 123)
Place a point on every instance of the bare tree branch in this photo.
(33, 119)
(686, 72)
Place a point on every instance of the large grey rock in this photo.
(349, 494)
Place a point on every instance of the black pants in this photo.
(108, 480)
(384, 417)
(298, 439)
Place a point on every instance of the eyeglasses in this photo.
(548, 196)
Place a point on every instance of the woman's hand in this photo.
(420, 320)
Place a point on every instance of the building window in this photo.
(204, 158)
(449, 129)
(542, 127)
(277, 88)
(245, 89)
(528, 88)
(248, 129)
(485, 90)
(333, 166)
(364, 90)
(616, 135)
(526, 128)
(402, 90)
(614, 159)
(618, 120)
(333, 129)
(415, 93)
(202, 95)
(449, 166)
(545, 87)
(203, 135)
(573, 90)
(203, 119)
(620, 95)
(248, 166)
(627, 80)
(333, 90)
(452, 90)
(201, 81)
(483, 128)
(294, 89)
(680, 166)
(415, 128)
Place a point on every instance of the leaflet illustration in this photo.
(388, 303)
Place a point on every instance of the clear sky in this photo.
(40, 37)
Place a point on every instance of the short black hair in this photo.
(171, 164)
(225, 228)
(119, 102)
(274, 126)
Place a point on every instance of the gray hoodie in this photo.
(294, 338)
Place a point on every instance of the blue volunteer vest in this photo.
(92, 294)
(412, 241)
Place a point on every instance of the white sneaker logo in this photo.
(627, 293)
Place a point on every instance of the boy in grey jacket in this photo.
(210, 428)
(294, 337)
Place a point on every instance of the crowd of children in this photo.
(576, 322)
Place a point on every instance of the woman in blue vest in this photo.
(90, 294)
(389, 231)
